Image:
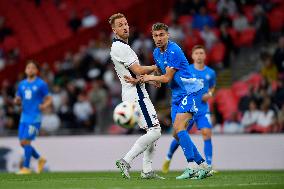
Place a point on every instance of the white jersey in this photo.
(123, 57)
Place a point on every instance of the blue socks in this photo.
(34, 153)
(208, 151)
(186, 145)
(29, 152)
(173, 147)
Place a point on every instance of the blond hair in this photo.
(113, 17)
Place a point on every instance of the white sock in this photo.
(148, 158)
(203, 165)
(142, 143)
(192, 165)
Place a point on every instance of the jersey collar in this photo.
(115, 39)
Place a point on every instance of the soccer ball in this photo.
(125, 114)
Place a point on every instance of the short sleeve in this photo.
(212, 81)
(44, 89)
(123, 53)
(174, 59)
(19, 92)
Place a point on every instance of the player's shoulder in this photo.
(210, 70)
(118, 44)
(156, 51)
(40, 81)
(22, 82)
(174, 47)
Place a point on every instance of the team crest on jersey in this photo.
(34, 88)
(207, 76)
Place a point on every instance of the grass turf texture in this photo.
(113, 180)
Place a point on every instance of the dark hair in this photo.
(113, 17)
(160, 26)
(34, 63)
(198, 47)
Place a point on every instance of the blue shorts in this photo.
(28, 131)
(202, 121)
(190, 104)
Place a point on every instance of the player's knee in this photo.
(25, 142)
(206, 134)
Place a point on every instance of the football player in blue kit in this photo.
(33, 96)
(202, 117)
(186, 95)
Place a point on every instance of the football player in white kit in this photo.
(127, 64)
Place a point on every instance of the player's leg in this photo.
(204, 125)
(189, 104)
(147, 172)
(173, 146)
(147, 119)
(27, 133)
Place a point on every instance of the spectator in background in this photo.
(261, 24)
(66, 115)
(278, 57)
(181, 7)
(227, 40)
(4, 30)
(244, 102)
(269, 69)
(233, 126)
(50, 122)
(98, 97)
(142, 43)
(224, 19)
(209, 37)
(266, 118)
(195, 5)
(202, 19)
(278, 97)
(230, 5)
(176, 32)
(83, 112)
(89, 19)
(240, 23)
(281, 119)
(74, 22)
(250, 116)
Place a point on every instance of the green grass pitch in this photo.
(113, 180)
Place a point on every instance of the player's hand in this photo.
(131, 80)
(145, 78)
(17, 100)
(42, 107)
(206, 97)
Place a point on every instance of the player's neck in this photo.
(31, 78)
(199, 66)
(125, 40)
(164, 48)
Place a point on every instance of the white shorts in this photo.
(147, 114)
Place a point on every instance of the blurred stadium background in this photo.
(71, 40)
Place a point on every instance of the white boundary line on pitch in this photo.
(202, 186)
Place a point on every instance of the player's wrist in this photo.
(210, 93)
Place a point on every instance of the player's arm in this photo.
(137, 80)
(141, 70)
(18, 97)
(166, 78)
(46, 102)
(208, 95)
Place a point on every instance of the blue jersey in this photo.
(32, 95)
(183, 83)
(208, 78)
